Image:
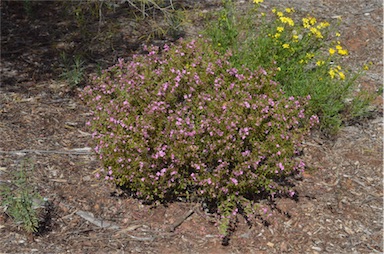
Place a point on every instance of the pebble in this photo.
(87, 178)
(316, 248)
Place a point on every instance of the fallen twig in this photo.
(76, 151)
(130, 228)
(140, 238)
(98, 222)
(182, 219)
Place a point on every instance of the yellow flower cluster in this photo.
(316, 32)
(336, 71)
(287, 20)
(283, 19)
(340, 50)
(258, 1)
(309, 23)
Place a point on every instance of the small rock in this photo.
(316, 248)
(246, 235)
(270, 244)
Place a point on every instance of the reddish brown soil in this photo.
(340, 203)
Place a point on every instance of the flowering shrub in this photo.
(306, 51)
(186, 123)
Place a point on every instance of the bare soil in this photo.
(339, 208)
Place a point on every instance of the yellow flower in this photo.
(332, 51)
(280, 14)
(342, 52)
(263, 14)
(278, 68)
(316, 32)
(337, 34)
(258, 1)
(319, 35)
(332, 73)
(309, 55)
(305, 23)
(366, 67)
(320, 63)
(280, 29)
(313, 30)
(285, 45)
(341, 75)
(274, 10)
(323, 25)
(301, 61)
(312, 20)
(295, 38)
(287, 20)
(289, 10)
(277, 35)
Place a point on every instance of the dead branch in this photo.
(182, 219)
(76, 151)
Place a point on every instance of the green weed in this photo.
(73, 71)
(20, 201)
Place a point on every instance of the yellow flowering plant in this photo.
(304, 52)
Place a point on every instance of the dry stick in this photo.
(48, 152)
(182, 219)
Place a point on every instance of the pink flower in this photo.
(234, 181)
